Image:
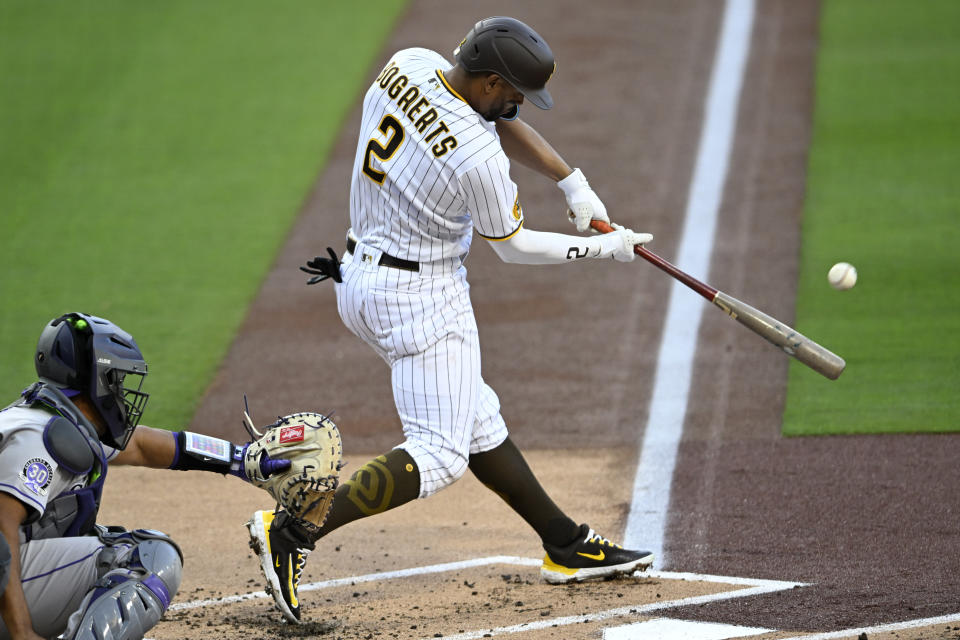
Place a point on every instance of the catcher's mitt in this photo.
(311, 442)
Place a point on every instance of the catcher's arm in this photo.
(196, 451)
(297, 460)
(148, 447)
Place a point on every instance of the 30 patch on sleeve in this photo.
(36, 475)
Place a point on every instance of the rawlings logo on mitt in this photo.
(311, 442)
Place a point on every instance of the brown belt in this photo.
(387, 261)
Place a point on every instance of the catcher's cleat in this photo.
(281, 562)
(590, 557)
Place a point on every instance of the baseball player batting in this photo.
(433, 165)
(68, 576)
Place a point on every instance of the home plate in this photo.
(666, 629)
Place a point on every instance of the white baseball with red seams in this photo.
(842, 276)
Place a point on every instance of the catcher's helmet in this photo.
(94, 356)
(512, 50)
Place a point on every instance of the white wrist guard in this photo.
(572, 182)
(583, 205)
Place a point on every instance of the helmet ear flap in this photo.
(64, 347)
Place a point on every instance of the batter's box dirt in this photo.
(438, 605)
(463, 523)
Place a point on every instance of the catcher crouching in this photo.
(71, 577)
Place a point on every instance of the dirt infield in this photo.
(869, 523)
(465, 523)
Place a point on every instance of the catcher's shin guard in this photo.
(134, 593)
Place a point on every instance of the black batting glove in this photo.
(322, 268)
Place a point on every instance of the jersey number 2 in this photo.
(392, 128)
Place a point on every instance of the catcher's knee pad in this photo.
(439, 468)
(143, 550)
(143, 572)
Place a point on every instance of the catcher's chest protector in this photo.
(72, 442)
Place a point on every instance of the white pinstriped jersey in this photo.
(428, 167)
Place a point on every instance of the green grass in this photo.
(153, 156)
(883, 194)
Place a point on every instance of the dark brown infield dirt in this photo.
(872, 522)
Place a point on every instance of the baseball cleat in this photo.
(591, 557)
(281, 563)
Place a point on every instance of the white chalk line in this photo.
(772, 585)
(647, 520)
(749, 587)
(370, 577)
(767, 586)
(882, 628)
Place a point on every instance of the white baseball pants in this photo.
(422, 325)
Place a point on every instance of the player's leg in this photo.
(428, 460)
(138, 573)
(282, 544)
(499, 465)
(504, 471)
(434, 360)
(573, 553)
(423, 326)
(56, 575)
(75, 584)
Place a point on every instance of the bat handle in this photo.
(601, 226)
(605, 227)
(702, 288)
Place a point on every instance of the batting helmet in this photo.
(96, 357)
(512, 50)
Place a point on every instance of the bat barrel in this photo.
(791, 341)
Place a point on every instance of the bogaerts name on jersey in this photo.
(416, 108)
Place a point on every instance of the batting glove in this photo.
(322, 268)
(619, 244)
(583, 205)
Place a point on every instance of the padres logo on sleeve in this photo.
(36, 476)
(517, 209)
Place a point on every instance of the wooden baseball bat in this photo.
(791, 341)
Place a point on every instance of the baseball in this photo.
(842, 276)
